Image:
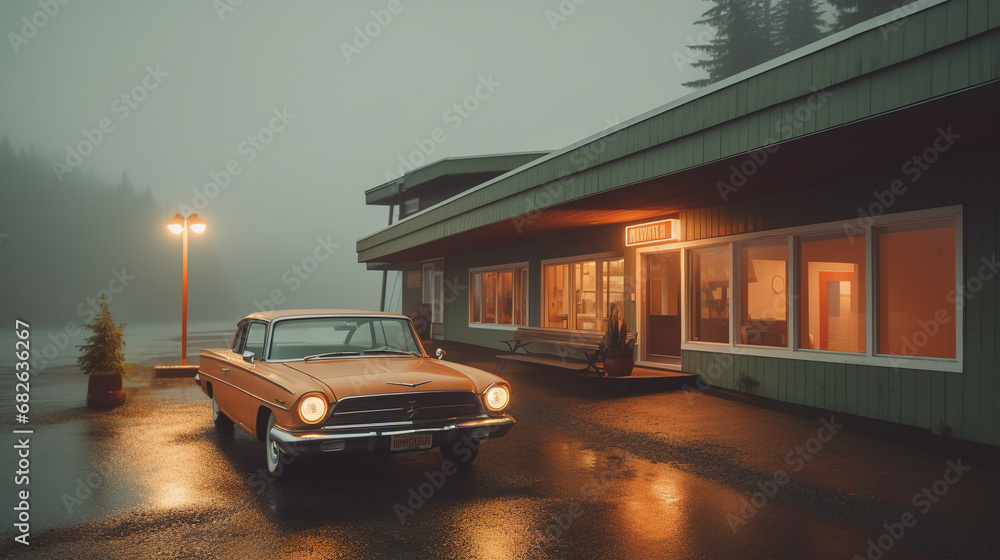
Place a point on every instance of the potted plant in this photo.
(618, 357)
(103, 360)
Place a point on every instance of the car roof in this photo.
(284, 313)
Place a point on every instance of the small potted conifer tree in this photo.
(618, 357)
(103, 360)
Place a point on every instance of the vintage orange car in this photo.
(343, 381)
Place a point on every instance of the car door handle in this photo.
(225, 370)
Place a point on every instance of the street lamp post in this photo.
(180, 224)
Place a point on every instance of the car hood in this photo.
(372, 376)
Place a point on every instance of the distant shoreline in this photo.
(146, 344)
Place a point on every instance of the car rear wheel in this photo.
(219, 418)
(278, 462)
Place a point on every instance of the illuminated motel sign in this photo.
(652, 232)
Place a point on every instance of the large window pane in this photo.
(916, 274)
(498, 296)
(521, 296)
(613, 291)
(832, 293)
(476, 297)
(710, 294)
(585, 295)
(763, 294)
(505, 297)
(556, 294)
(579, 295)
(490, 297)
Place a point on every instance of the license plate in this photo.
(405, 443)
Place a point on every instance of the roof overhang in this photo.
(874, 96)
(388, 193)
(885, 142)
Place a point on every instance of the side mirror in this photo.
(440, 354)
(248, 356)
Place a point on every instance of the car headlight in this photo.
(312, 408)
(496, 397)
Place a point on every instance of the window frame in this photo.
(265, 342)
(369, 319)
(687, 280)
(513, 268)
(868, 281)
(737, 291)
(864, 230)
(876, 262)
(239, 337)
(597, 259)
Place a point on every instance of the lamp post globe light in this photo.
(180, 224)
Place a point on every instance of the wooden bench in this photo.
(567, 342)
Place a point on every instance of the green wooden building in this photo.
(825, 224)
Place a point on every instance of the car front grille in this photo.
(405, 407)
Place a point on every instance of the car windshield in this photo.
(331, 337)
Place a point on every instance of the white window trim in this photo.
(527, 300)
(582, 258)
(870, 357)
(642, 319)
(492, 268)
(494, 327)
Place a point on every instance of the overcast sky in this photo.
(341, 90)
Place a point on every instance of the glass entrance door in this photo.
(663, 306)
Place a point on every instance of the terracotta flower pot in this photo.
(105, 391)
(618, 364)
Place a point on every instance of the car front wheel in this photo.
(220, 420)
(278, 462)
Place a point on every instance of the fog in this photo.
(271, 119)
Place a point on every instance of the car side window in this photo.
(255, 340)
(238, 338)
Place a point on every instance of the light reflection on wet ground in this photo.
(170, 482)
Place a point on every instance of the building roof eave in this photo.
(674, 137)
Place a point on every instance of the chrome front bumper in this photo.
(376, 439)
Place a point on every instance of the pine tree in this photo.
(6, 152)
(125, 185)
(147, 200)
(742, 39)
(853, 12)
(797, 23)
(104, 352)
(765, 16)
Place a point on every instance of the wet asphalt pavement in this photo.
(588, 472)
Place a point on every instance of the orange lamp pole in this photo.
(184, 298)
(180, 224)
